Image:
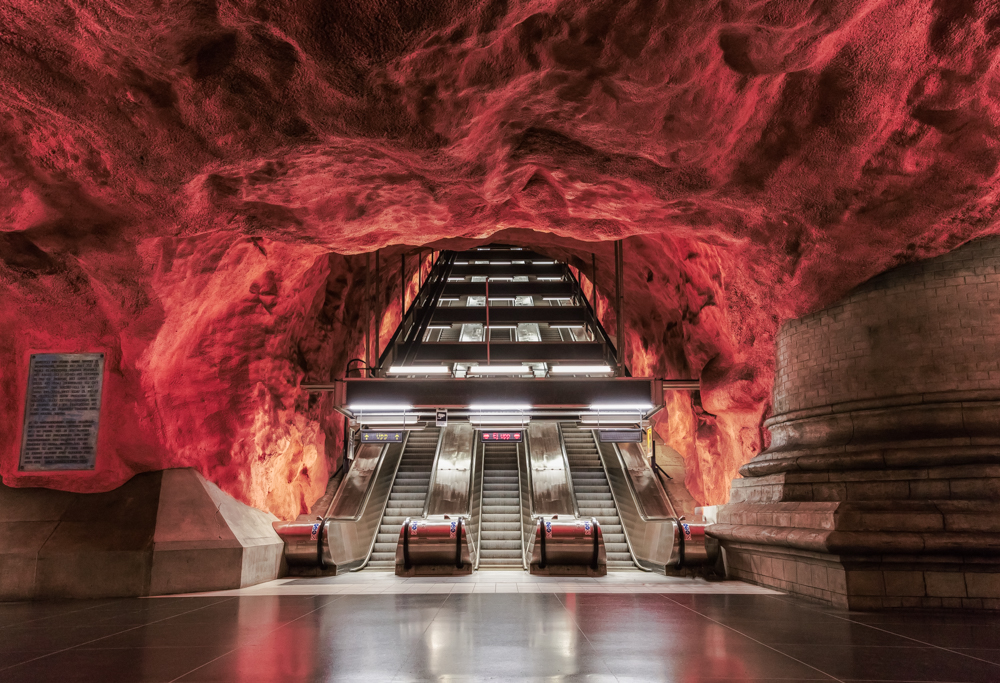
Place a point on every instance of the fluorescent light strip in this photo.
(484, 420)
(461, 263)
(586, 419)
(456, 279)
(500, 263)
(621, 407)
(548, 279)
(557, 298)
(417, 370)
(449, 298)
(389, 420)
(499, 370)
(503, 327)
(500, 406)
(375, 408)
(581, 369)
(543, 263)
(564, 327)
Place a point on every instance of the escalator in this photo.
(593, 494)
(408, 494)
(500, 530)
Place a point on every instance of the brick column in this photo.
(881, 487)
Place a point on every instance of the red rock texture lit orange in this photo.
(191, 188)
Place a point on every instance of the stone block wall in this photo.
(921, 328)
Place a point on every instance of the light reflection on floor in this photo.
(487, 581)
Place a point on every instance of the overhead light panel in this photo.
(619, 407)
(499, 370)
(389, 420)
(581, 369)
(491, 420)
(610, 419)
(379, 408)
(419, 370)
(500, 407)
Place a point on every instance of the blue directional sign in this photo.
(381, 436)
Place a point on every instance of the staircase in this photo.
(593, 495)
(406, 499)
(500, 529)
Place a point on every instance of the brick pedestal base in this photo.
(881, 488)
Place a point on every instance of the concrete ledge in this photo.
(160, 532)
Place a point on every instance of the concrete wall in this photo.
(881, 487)
(159, 533)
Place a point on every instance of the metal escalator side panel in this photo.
(349, 541)
(451, 480)
(649, 492)
(356, 486)
(551, 485)
(654, 543)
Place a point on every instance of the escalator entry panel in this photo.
(568, 547)
(434, 546)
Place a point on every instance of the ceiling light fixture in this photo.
(581, 369)
(601, 407)
(419, 370)
(375, 408)
(499, 370)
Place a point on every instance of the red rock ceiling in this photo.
(188, 187)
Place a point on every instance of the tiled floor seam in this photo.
(809, 608)
(422, 633)
(579, 628)
(769, 647)
(226, 654)
(112, 635)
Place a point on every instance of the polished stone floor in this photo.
(693, 636)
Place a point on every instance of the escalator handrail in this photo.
(524, 462)
(371, 547)
(479, 521)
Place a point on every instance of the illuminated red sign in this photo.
(514, 437)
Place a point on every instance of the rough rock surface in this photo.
(190, 187)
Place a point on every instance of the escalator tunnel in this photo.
(498, 430)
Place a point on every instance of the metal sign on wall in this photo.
(62, 412)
